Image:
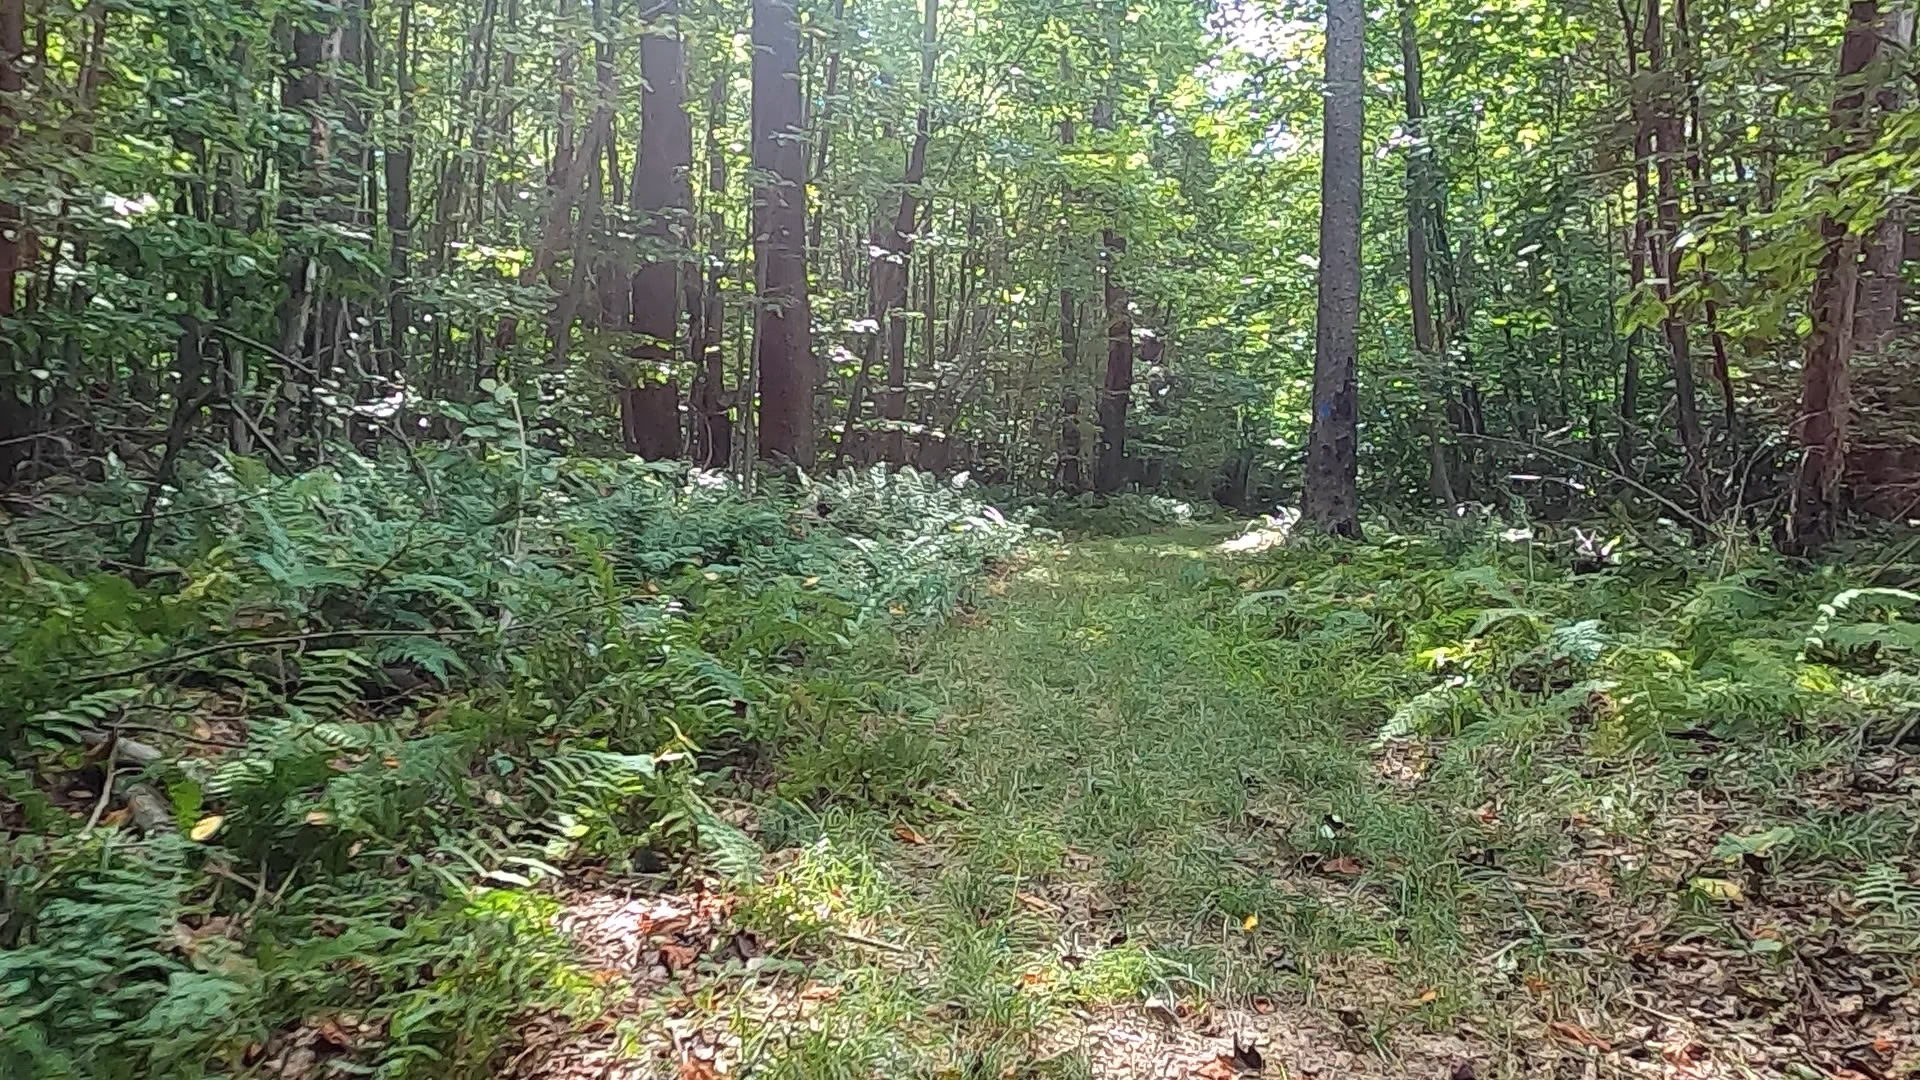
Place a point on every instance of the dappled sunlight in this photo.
(1267, 532)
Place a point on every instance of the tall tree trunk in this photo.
(823, 127)
(890, 265)
(783, 341)
(1625, 446)
(1426, 339)
(566, 174)
(1823, 424)
(663, 200)
(1116, 389)
(399, 191)
(1878, 310)
(716, 427)
(1331, 499)
(1069, 476)
(13, 413)
(304, 185)
(1669, 148)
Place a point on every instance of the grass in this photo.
(1148, 776)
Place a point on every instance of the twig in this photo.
(872, 943)
(219, 869)
(106, 788)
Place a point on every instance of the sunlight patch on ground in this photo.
(1267, 532)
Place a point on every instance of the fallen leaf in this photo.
(1247, 1057)
(1574, 1033)
(1250, 922)
(318, 817)
(1684, 1055)
(678, 958)
(1713, 888)
(115, 818)
(1427, 997)
(1536, 984)
(1220, 1068)
(1345, 865)
(1034, 903)
(907, 834)
(693, 1068)
(1032, 979)
(204, 829)
(330, 1031)
(1884, 1046)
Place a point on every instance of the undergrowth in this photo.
(1432, 780)
(318, 757)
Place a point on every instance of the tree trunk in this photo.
(1625, 449)
(1878, 310)
(716, 426)
(783, 343)
(1116, 389)
(896, 255)
(1824, 421)
(1331, 500)
(1669, 147)
(304, 185)
(399, 191)
(13, 414)
(1069, 476)
(1426, 339)
(822, 126)
(663, 201)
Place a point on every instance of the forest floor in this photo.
(1145, 833)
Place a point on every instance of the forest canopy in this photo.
(1066, 247)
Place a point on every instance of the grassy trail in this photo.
(1137, 811)
(1148, 834)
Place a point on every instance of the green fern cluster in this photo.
(379, 703)
(1457, 631)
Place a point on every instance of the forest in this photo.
(819, 539)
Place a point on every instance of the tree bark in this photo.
(890, 265)
(1331, 499)
(1426, 339)
(1669, 147)
(783, 341)
(662, 199)
(1069, 476)
(715, 442)
(1823, 424)
(1878, 309)
(399, 192)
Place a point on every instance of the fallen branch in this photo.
(1682, 511)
